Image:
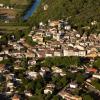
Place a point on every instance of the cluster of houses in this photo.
(5, 7)
(55, 39)
(59, 39)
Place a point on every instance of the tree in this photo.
(87, 97)
(36, 97)
(29, 86)
(96, 83)
(55, 97)
(30, 41)
(24, 63)
(48, 96)
(96, 63)
(61, 61)
(80, 78)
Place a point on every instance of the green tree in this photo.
(55, 97)
(80, 78)
(87, 97)
(96, 63)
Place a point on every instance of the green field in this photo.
(13, 27)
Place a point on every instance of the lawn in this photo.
(13, 27)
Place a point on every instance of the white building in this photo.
(68, 52)
(96, 76)
(1, 58)
(10, 85)
(49, 89)
(33, 75)
(73, 85)
(1, 5)
(82, 53)
(57, 53)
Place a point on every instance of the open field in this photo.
(19, 6)
(18, 2)
(7, 12)
(13, 27)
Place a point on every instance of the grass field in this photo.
(13, 27)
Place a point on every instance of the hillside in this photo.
(81, 12)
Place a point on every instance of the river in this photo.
(30, 12)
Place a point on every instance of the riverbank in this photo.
(31, 10)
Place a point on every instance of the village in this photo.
(21, 73)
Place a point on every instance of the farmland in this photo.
(14, 7)
(14, 10)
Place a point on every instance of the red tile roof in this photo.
(92, 70)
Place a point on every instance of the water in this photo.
(30, 12)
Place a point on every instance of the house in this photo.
(1, 58)
(43, 71)
(93, 70)
(32, 62)
(84, 37)
(82, 53)
(1, 5)
(17, 67)
(2, 67)
(8, 77)
(45, 7)
(49, 89)
(49, 53)
(89, 80)
(33, 75)
(41, 54)
(68, 52)
(18, 80)
(68, 96)
(68, 27)
(79, 47)
(28, 93)
(2, 52)
(62, 73)
(10, 85)
(53, 23)
(6, 51)
(57, 53)
(38, 37)
(93, 22)
(15, 97)
(29, 54)
(96, 76)
(73, 85)
(56, 36)
(57, 70)
(8, 93)
(76, 53)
